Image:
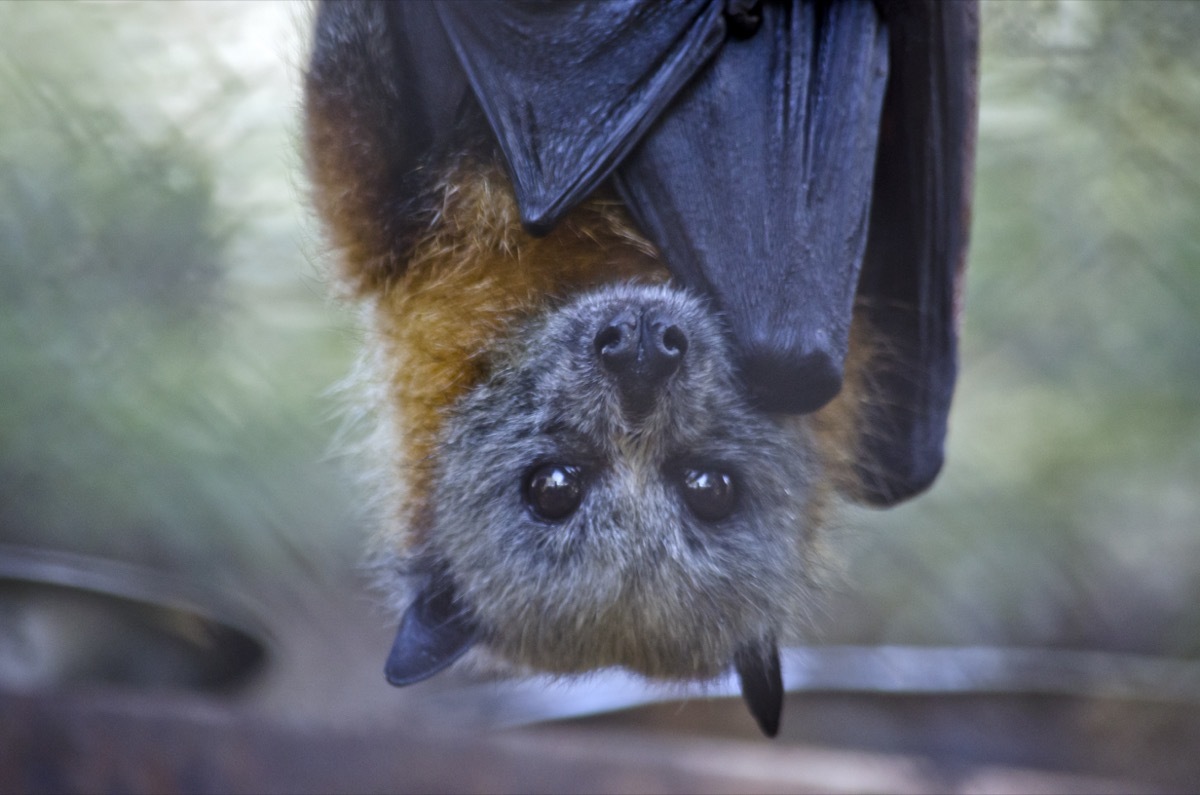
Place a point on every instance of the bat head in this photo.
(607, 497)
(579, 477)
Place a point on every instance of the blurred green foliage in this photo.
(164, 342)
(152, 409)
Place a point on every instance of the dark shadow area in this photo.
(70, 622)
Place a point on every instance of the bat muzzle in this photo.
(640, 348)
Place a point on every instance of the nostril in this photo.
(674, 341)
(616, 342)
(663, 345)
(608, 339)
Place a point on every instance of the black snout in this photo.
(641, 348)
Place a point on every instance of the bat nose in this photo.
(641, 348)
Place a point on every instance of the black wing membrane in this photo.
(756, 186)
(912, 279)
(570, 87)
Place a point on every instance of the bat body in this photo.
(604, 446)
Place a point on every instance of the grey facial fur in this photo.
(633, 577)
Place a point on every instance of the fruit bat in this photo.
(647, 288)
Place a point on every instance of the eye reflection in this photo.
(709, 493)
(554, 491)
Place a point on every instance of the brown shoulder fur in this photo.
(368, 195)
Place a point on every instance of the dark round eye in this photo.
(709, 493)
(554, 491)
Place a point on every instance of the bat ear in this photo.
(434, 632)
(761, 678)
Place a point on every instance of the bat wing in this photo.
(756, 185)
(912, 279)
(570, 87)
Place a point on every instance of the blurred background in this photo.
(179, 531)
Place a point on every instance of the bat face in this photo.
(608, 497)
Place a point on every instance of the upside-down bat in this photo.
(648, 287)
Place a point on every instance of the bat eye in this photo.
(553, 491)
(709, 493)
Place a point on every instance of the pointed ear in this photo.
(434, 632)
(759, 672)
